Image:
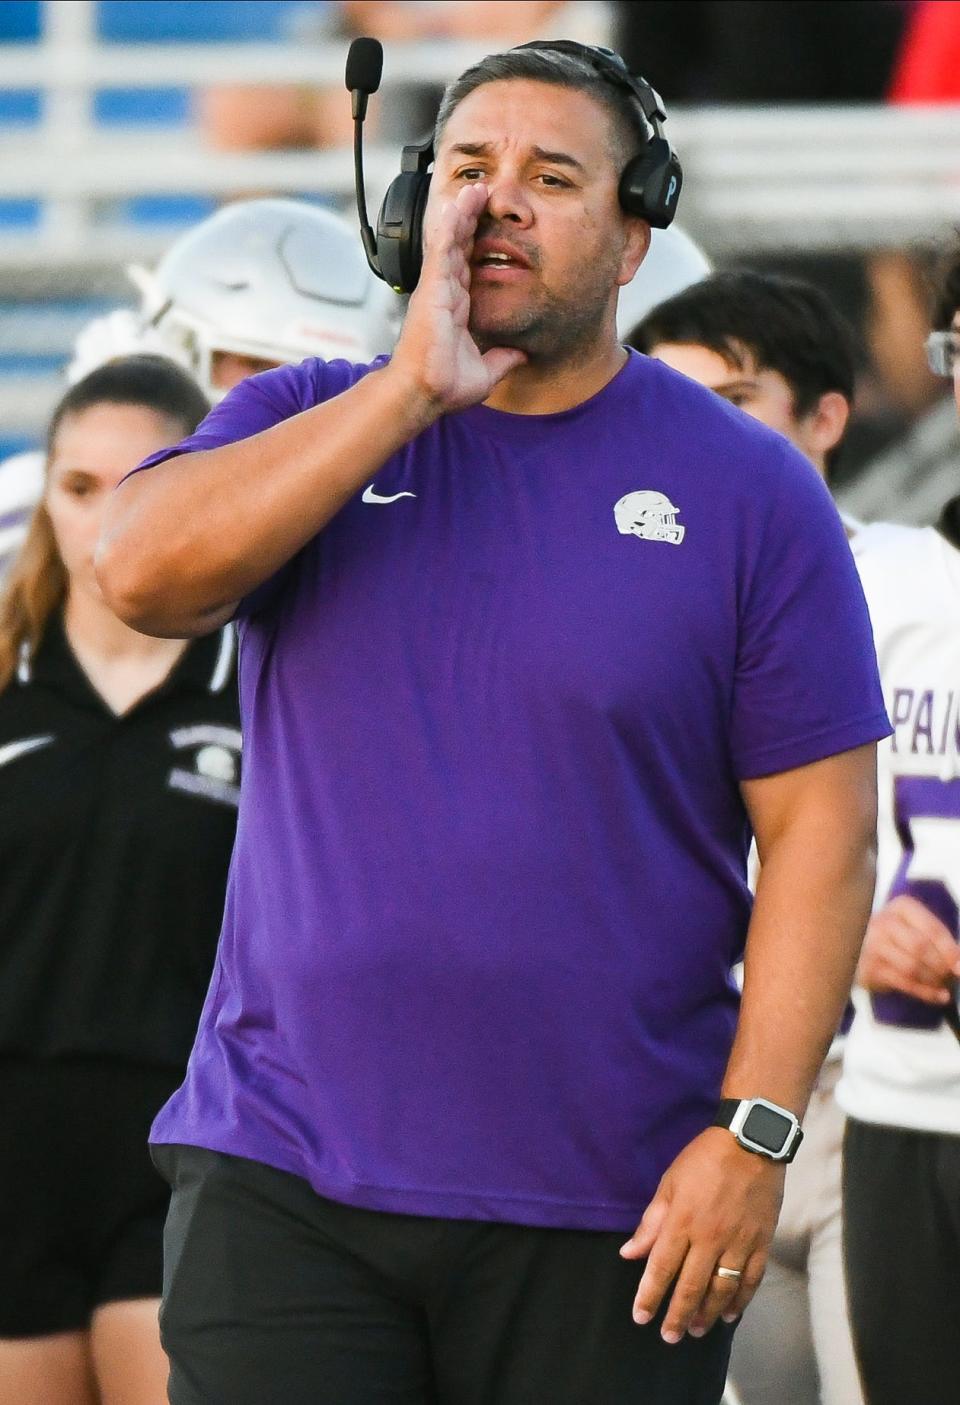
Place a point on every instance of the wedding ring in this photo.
(721, 1272)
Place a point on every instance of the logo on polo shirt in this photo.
(649, 515)
(217, 764)
(215, 773)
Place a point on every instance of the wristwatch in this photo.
(761, 1126)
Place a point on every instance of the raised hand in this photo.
(436, 352)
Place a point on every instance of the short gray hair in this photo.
(563, 70)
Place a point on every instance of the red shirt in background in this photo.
(928, 69)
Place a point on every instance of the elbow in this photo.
(140, 588)
(123, 578)
(148, 564)
(133, 588)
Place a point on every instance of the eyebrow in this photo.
(738, 383)
(555, 158)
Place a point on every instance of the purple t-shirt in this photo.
(490, 871)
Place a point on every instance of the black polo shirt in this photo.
(115, 838)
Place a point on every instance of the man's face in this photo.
(553, 245)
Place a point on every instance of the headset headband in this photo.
(608, 64)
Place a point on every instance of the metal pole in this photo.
(69, 33)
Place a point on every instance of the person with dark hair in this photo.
(533, 630)
(119, 763)
(901, 1066)
(778, 349)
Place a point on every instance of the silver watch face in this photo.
(767, 1129)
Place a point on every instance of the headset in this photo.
(649, 185)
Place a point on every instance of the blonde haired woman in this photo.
(119, 771)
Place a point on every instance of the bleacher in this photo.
(38, 323)
(103, 163)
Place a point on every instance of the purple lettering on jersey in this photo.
(18, 517)
(900, 712)
(918, 799)
(923, 722)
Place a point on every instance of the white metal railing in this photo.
(802, 178)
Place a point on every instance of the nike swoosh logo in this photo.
(370, 496)
(12, 750)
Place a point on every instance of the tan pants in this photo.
(793, 1346)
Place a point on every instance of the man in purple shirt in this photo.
(534, 632)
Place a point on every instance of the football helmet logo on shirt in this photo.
(649, 515)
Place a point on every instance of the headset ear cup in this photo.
(650, 184)
(413, 250)
(400, 230)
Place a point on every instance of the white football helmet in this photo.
(21, 487)
(673, 262)
(115, 334)
(278, 280)
(649, 515)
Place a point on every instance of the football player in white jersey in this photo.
(778, 349)
(901, 1075)
(259, 283)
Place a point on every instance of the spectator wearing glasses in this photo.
(910, 479)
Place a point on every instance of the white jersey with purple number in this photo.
(902, 1062)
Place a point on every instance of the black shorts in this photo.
(81, 1206)
(901, 1239)
(276, 1296)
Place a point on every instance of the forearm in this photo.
(186, 539)
(812, 905)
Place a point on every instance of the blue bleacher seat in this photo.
(20, 21)
(20, 214)
(142, 107)
(11, 444)
(178, 211)
(36, 338)
(20, 107)
(197, 22)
